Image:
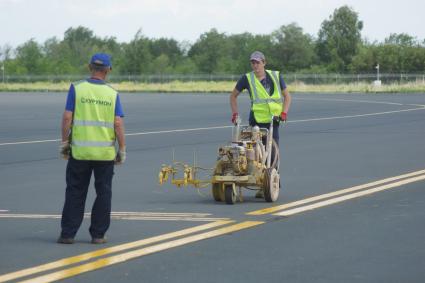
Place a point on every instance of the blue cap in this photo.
(101, 59)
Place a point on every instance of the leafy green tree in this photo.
(339, 39)
(79, 43)
(161, 64)
(167, 47)
(136, 55)
(240, 47)
(5, 57)
(401, 39)
(292, 49)
(401, 53)
(207, 50)
(365, 60)
(31, 59)
(186, 66)
(58, 55)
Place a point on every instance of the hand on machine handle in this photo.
(235, 116)
(283, 116)
(121, 156)
(65, 150)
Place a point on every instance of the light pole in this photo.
(378, 81)
(377, 72)
(2, 68)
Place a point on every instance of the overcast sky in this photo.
(186, 20)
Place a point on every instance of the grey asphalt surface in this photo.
(377, 238)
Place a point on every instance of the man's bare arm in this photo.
(120, 132)
(66, 125)
(286, 100)
(234, 101)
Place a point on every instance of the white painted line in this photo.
(348, 197)
(122, 213)
(224, 127)
(335, 193)
(356, 116)
(28, 142)
(350, 100)
(201, 217)
(177, 131)
(156, 213)
(2, 210)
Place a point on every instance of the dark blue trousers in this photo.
(78, 174)
(276, 124)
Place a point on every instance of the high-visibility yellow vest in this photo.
(93, 134)
(263, 104)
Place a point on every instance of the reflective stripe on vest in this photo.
(93, 134)
(93, 143)
(264, 105)
(93, 123)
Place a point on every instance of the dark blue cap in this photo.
(101, 59)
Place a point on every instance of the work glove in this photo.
(121, 156)
(283, 116)
(65, 150)
(235, 116)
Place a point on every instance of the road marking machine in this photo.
(250, 161)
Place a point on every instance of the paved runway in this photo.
(351, 208)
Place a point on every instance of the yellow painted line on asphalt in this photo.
(348, 197)
(333, 194)
(90, 255)
(104, 262)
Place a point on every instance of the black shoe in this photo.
(68, 241)
(98, 240)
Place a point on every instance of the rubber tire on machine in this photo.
(271, 185)
(229, 194)
(215, 189)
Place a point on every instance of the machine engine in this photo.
(232, 160)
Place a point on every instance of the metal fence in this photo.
(311, 79)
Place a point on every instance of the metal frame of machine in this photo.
(244, 163)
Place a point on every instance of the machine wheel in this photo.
(229, 194)
(271, 185)
(216, 192)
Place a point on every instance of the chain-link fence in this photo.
(311, 79)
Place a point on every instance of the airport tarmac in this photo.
(351, 208)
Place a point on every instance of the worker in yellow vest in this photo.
(91, 124)
(268, 93)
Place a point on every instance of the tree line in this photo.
(337, 48)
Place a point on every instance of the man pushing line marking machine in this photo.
(252, 159)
